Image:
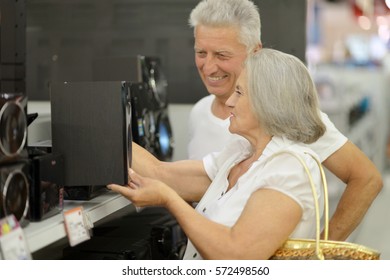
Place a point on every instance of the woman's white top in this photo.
(283, 173)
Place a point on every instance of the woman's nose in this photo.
(230, 102)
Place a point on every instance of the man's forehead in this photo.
(219, 46)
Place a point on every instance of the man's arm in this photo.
(364, 182)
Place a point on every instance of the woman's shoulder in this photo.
(286, 153)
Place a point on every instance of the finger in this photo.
(125, 191)
(133, 185)
(114, 187)
(134, 177)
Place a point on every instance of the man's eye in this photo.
(222, 57)
(201, 53)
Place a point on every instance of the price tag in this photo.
(13, 245)
(76, 226)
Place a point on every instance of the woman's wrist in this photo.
(172, 199)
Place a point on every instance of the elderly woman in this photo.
(249, 203)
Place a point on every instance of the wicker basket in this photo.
(321, 249)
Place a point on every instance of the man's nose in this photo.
(210, 65)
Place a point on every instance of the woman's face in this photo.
(242, 119)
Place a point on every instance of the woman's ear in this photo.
(258, 47)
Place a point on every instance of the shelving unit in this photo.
(43, 233)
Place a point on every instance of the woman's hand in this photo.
(144, 191)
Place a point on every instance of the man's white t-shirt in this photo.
(208, 134)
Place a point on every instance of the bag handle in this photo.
(326, 197)
(319, 252)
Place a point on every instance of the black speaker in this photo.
(140, 68)
(168, 241)
(46, 195)
(164, 142)
(153, 74)
(14, 189)
(143, 117)
(151, 124)
(13, 127)
(91, 129)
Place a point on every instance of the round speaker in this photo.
(155, 78)
(158, 83)
(13, 129)
(16, 195)
(144, 129)
(164, 137)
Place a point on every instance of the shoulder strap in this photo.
(314, 192)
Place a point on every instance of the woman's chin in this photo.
(231, 129)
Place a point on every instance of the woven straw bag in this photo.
(321, 249)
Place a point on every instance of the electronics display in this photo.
(14, 166)
(151, 127)
(91, 129)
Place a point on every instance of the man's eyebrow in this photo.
(223, 51)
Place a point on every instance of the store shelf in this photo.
(43, 233)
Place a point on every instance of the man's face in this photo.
(219, 57)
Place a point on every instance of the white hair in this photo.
(283, 96)
(241, 14)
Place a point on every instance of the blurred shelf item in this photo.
(356, 101)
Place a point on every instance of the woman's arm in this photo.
(187, 177)
(267, 220)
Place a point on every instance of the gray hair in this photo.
(241, 14)
(283, 96)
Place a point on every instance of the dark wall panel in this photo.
(12, 46)
(63, 37)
